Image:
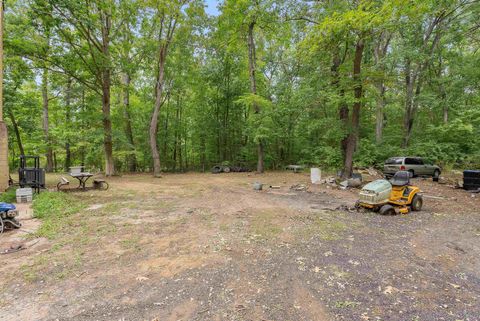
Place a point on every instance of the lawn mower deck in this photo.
(8, 212)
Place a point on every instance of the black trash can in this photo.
(471, 180)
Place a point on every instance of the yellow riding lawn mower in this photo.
(391, 197)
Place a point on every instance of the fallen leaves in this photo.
(390, 289)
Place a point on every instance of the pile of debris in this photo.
(370, 171)
(334, 182)
(329, 181)
(355, 181)
(299, 188)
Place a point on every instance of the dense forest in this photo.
(160, 85)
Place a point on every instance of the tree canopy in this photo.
(160, 85)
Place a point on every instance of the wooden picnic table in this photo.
(82, 178)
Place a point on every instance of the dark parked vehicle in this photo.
(415, 165)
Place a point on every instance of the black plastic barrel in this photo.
(471, 179)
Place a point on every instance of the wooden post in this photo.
(3, 127)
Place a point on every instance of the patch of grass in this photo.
(30, 271)
(177, 222)
(206, 218)
(131, 243)
(224, 227)
(52, 265)
(263, 225)
(68, 265)
(346, 304)
(337, 272)
(108, 209)
(327, 228)
(9, 196)
(55, 210)
(153, 205)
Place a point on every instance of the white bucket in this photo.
(315, 175)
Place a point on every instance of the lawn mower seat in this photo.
(401, 178)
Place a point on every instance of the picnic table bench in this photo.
(82, 177)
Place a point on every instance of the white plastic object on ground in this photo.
(315, 175)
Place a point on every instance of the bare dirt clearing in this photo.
(209, 247)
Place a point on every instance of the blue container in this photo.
(5, 207)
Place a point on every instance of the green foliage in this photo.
(371, 154)
(9, 196)
(208, 115)
(55, 210)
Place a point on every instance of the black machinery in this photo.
(31, 176)
(471, 180)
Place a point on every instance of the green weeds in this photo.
(55, 210)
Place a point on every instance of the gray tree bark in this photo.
(131, 159)
(106, 84)
(156, 111)
(45, 120)
(355, 119)
(380, 52)
(252, 64)
(68, 98)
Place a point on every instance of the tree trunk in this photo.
(410, 79)
(415, 76)
(107, 124)
(253, 89)
(106, 83)
(379, 114)
(83, 149)
(17, 132)
(131, 159)
(179, 136)
(203, 152)
(49, 152)
(218, 130)
(156, 111)
(380, 52)
(166, 128)
(355, 121)
(176, 149)
(227, 149)
(68, 97)
(410, 113)
(343, 111)
(443, 92)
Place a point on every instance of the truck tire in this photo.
(387, 209)
(436, 175)
(417, 203)
(216, 169)
(412, 173)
